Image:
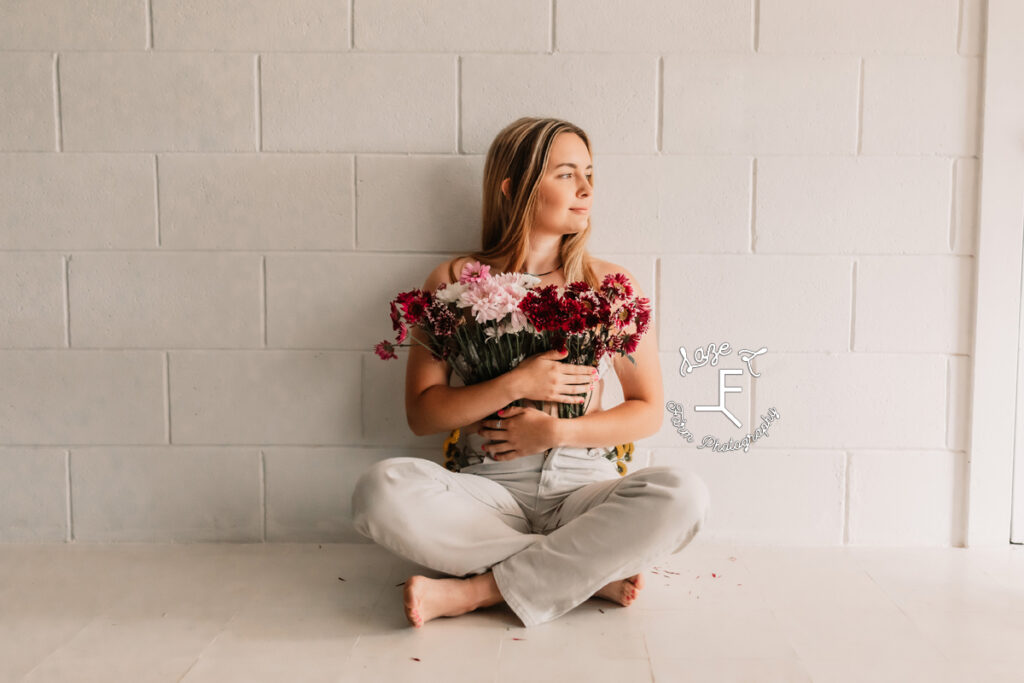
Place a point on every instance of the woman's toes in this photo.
(413, 600)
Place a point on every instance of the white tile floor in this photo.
(713, 613)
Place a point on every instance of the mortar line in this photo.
(156, 197)
(959, 26)
(753, 204)
(551, 27)
(659, 96)
(860, 106)
(70, 537)
(949, 383)
(57, 104)
(853, 303)
(167, 397)
(355, 202)
(953, 206)
(263, 298)
(263, 495)
(259, 104)
(458, 105)
(757, 25)
(846, 498)
(65, 262)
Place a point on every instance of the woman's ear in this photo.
(504, 187)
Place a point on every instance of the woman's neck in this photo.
(549, 272)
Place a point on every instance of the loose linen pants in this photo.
(554, 530)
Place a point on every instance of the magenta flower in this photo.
(385, 350)
(474, 271)
(616, 286)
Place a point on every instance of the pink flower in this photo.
(489, 299)
(474, 271)
(385, 350)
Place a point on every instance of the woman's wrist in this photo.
(565, 431)
(512, 388)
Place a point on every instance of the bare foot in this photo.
(426, 598)
(623, 591)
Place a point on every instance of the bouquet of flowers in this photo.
(484, 325)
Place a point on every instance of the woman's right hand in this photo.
(544, 377)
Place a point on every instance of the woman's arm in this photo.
(640, 414)
(431, 405)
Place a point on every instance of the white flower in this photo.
(450, 293)
(528, 281)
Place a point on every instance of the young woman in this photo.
(540, 530)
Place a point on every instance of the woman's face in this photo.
(565, 195)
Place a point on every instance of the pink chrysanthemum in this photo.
(490, 299)
(474, 271)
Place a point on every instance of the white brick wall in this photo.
(206, 205)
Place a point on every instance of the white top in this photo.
(470, 444)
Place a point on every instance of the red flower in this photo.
(616, 286)
(573, 316)
(623, 316)
(396, 322)
(643, 315)
(385, 350)
(542, 308)
(558, 341)
(414, 305)
(577, 287)
(630, 342)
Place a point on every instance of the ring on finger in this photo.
(499, 424)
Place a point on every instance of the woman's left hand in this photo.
(523, 431)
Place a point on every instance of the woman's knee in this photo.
(379, 488)
(689, 496)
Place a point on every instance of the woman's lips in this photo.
(580, 210)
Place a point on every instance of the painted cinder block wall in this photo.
(205, 207)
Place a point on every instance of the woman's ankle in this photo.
(485, 590)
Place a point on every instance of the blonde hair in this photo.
(520, 152)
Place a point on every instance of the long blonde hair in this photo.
(520, 152)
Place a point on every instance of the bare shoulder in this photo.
(602, 268)
(440, 274)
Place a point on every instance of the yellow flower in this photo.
(450, 449)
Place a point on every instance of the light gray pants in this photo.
(554, 530)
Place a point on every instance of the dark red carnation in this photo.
(630, 342)
(396, 322)
(414, 305)
(616, 286)
(385, 350)
(643, 315)
(542, 308)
